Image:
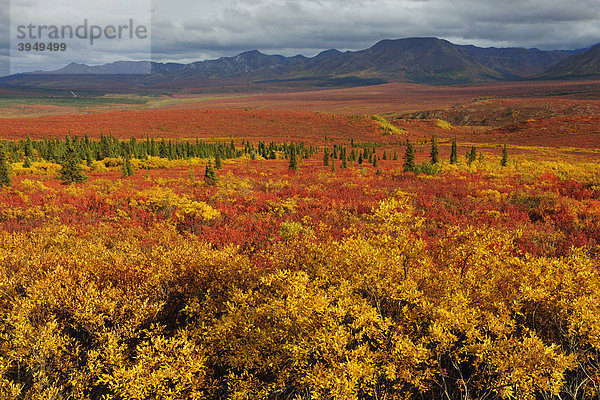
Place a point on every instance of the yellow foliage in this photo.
(30, 185)
(165, 201)
(445, 125)
(282, 207)
(125, 312)
(37, 168)
(387, 127)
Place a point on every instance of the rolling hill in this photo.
(416, 60)
(516, 63)
(581, 65)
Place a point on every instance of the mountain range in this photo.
(417, 60)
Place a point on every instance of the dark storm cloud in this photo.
(204, 29)
(29, 18)
(4, 37)
(186, 30)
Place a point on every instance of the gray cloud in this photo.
(291, 27)
(4, 37)
(186, 30)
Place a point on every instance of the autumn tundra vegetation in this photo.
(356, 262)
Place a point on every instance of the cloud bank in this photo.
(186, 30)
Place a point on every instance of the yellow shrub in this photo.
(443, 124)
(165, 201)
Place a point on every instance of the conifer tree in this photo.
(210, 176)
(454, 153)
(218, 164)
(504, 160)
(88, 157)
(71, 170)
(435, 154)
(191, 175)
(153, 149)
(5, 169)
(126, 167)
(326, 157)
(472, 156)
(344, 162)
(395, 155)
(360, 158)
(409, 157)
(28, 151)
(170, 151)
(375, 162)
(293, 160)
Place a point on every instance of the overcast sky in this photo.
(186, 30)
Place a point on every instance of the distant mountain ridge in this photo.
(517, 62)
(584, 65)
(418, 60)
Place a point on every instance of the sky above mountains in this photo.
(307, 27)
(186, 30)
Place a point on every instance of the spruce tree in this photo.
(28, 151)
(71, 170)
(126, 167)
(153, 149)
(344, 162)
(435, 154)
(5, 169)
(218, 164)
(454, 153)
(293, 160)
(360, 158)
(191, 175)
(472, 156)
(326, 157)
(88, 158)
(504, 160)
(409, 157)
(170, 151)
(210, 176)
